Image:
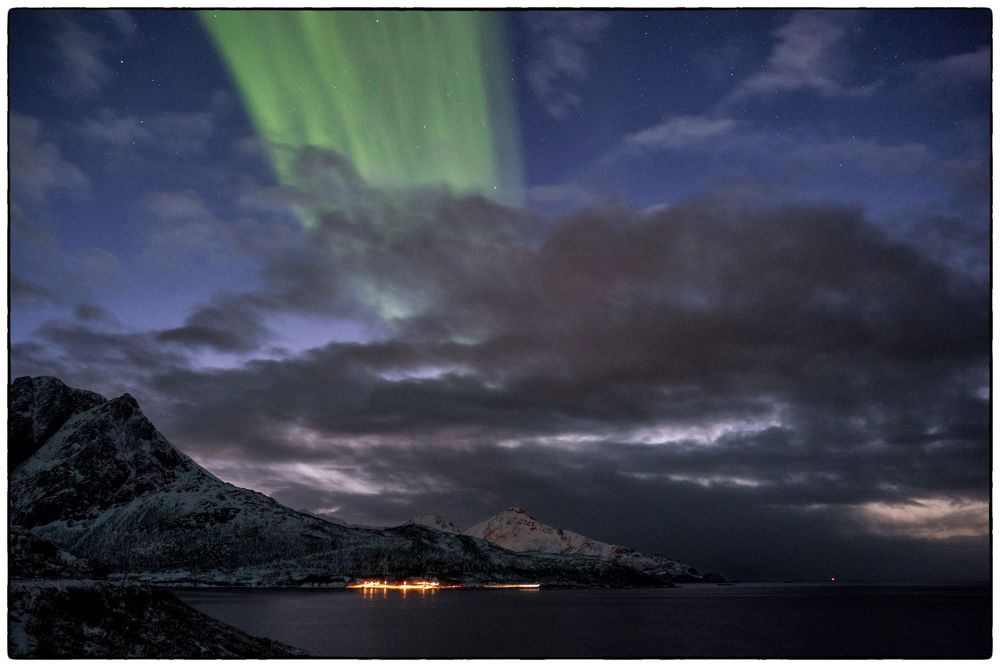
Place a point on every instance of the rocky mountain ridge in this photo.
(97, 478)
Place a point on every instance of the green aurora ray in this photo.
(411, 98)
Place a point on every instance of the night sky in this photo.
(713, 284)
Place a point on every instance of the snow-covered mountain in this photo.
(514, 529)
(101, 481)
(434, 521)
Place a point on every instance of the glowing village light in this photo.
(430, 585)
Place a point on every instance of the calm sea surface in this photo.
(745, 620)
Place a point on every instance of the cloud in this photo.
(680, 132)
(176, 133)
(911, 187)
(183, 133)
(91, 312)
(808, 56)
(80, 47)
(954, 72)
(179, 206)
(99, 263)
(123, 21)
(118, 132)
(95, 353)
(39, 169)
(928, 518)
(562, 193)
(229, 325)
(971, 65)
(759, 364)
(79, 50)
(873, 156)
(39, 177)
(960, 239)
(28, 294)
(559, 58)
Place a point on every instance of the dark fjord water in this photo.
(747, 620)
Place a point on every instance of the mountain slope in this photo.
(514, 529)
(62, 606)
(434, 521)
(108, 486)
(101, 619)
(30, 557)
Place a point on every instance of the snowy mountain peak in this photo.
(515, 530)
(434, 521)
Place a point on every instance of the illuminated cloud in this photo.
(681, 132)
(935, 518)
(808, 56)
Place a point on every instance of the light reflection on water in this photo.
(689, 621)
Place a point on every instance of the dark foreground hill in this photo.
(63, 606)
(105, 619)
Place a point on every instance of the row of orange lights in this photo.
(429, 585)
(405, 586)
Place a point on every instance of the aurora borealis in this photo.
(713, 284)
(410, 97)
